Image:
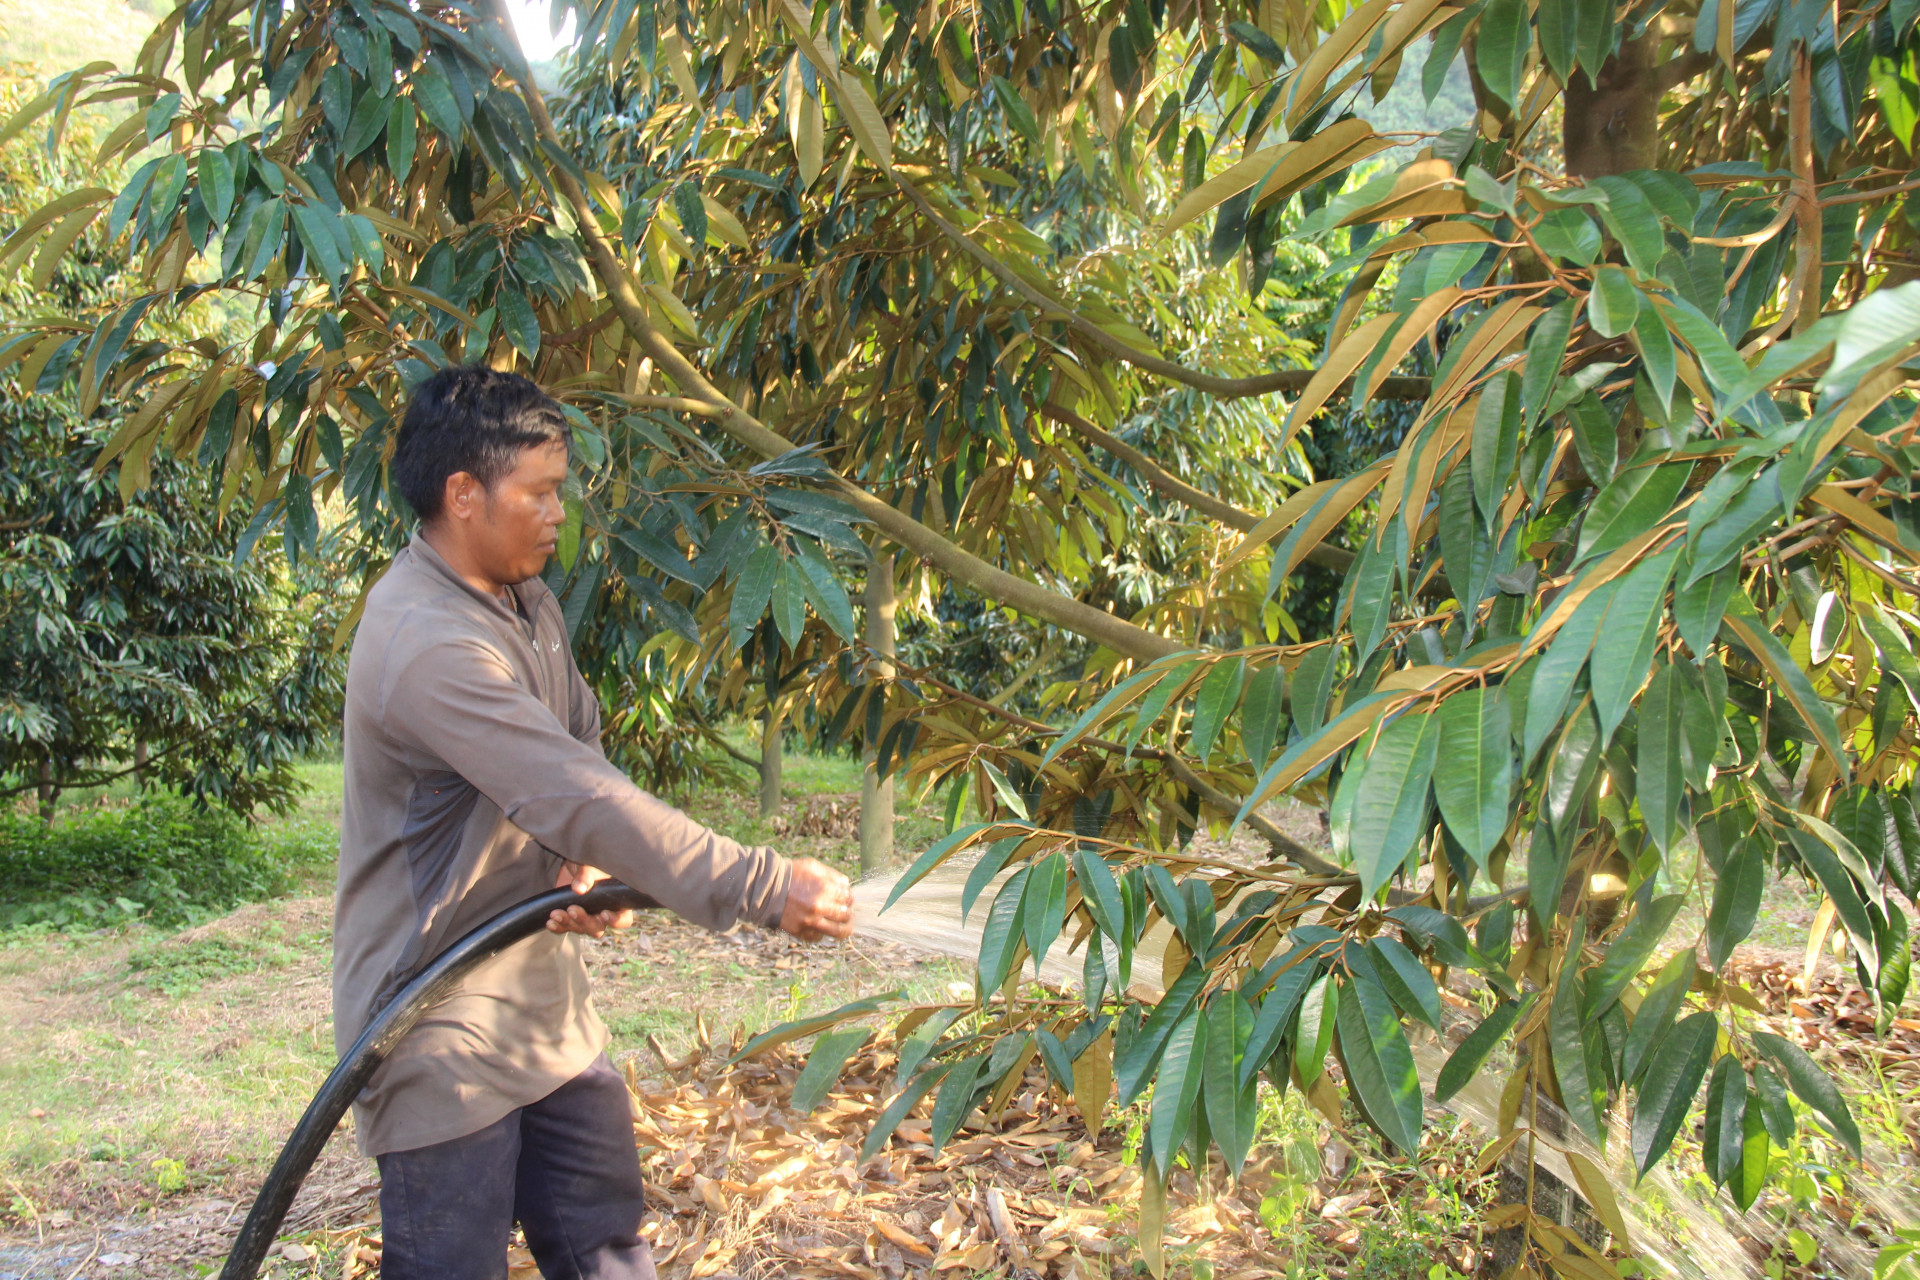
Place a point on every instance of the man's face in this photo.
(519, 518)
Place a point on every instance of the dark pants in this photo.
(564, 1167)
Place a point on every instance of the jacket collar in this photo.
(526, 593)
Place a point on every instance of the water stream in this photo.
(1678, 1226)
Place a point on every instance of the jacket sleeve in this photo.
(458, 702)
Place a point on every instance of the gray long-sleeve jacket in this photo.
(473, 766)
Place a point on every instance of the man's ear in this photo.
(463, 496)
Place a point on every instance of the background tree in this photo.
(1636, 567)
(138, 635)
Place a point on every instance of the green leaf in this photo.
(956, 1098)
(1556, 19)
(1004, 790)
(1263, 712)
(1631, 503)
(1583, 1096)
(1666, 1093)
(1313, 686)
(1751, 1177)
(435, 95)
(1100, 891)
(1775, 1111)
(369, 121)
(1631, 217)
(1318, 1013)
(824, 1064)
(1496, 426)
(1628, 954)
(1473, 773)
(823, 589)
(216, 184)
(1558, 669)
(1659, 777)
(402, 137)
(317, 232)
(1891, 645)
(1019, 114)
(1720, 541)
(1391, 810)
(1815, 1087)
(1372, 597)
(1276, 1011)
(1000, 939)
(991, 863)
(1699, 606)
(1379, 1063)
(800, 1029)
(897, 1110)
(1177, 1088)
(363, 240)
(788, 602)
(1464, 1063)
(751, 591)
(1465, 548)
(1545, 350)
(1501, 48)
(692, 213)
(1614, 304)
(1218, 696)
(1655, 344)
(1654, 1018)
(1046, 905)
(1736, 901)
(1143, 1054)
(1723, 1149)
(1405, 979)
(518, 321)
(1625, 644)
(1232, 1103)
(1595, 438)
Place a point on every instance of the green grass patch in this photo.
(178, 969)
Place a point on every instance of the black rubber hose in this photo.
(359, 1063)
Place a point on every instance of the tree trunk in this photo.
(876, 795)
(1614, 126)
(770, 735)
(140, 764)
(49, 793)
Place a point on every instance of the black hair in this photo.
(474, 419)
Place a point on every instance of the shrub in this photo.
(162, 859)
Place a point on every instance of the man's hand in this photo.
(819, 902)
(579, 919)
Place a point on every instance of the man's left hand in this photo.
(579, 919)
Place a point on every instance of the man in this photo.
(475, 780)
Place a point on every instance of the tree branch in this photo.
(1290, 381)
(1115, 633)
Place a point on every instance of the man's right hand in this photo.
(819, 902)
